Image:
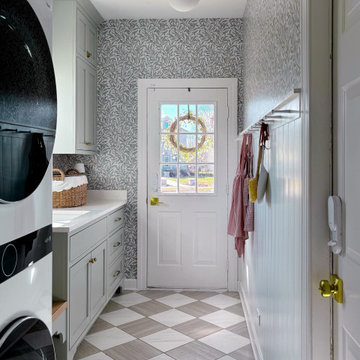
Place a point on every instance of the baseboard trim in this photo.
(253, 337)
(130, 284)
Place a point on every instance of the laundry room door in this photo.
(347, 173)
(187, 188)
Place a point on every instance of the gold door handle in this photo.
(154, 201)
(116, 274)
(116, 244)
(118, 219)
(88, 143)
(88, 54)
(92, 260)
(333, 288)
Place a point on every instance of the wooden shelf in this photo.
(58, 307)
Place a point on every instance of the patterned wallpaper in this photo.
(271, 54)
(135, 49)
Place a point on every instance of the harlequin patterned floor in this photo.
(169, 325)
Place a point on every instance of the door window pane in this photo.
(187, 148)
(187, 181)
(205, 178)
(169, 114)
(205, 148)
(168, 178)
(168, 153)
(206, 116)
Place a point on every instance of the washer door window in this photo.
(27, 101)
(26, 339)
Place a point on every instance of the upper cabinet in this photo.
(75, 60)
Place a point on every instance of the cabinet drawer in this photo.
(86, 239)
(115, 245)
(115, 220)
(115, 274)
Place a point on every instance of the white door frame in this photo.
(230, 84)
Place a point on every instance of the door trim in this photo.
(231, 84)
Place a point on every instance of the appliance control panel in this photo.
(19, 254)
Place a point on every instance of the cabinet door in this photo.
(85, 38)
(81, 30)
(79, 304)
(85, 106)
(98, 279)
(91, 43)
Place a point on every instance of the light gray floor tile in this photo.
(150, 308)
(85, 349)
(198, 295)
(195, 351)
(99, 325)
(112, 306)
(240, 329)
(142, 327)
(198, 309)
(134, 350)
(155, 294)
(244, 353)
(236, 309)
(197, 329)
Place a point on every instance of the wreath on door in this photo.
(185, 149)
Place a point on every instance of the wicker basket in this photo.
(73, 197)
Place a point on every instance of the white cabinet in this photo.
(88, 267)
(74, 55)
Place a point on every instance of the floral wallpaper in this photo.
(271, 54)
(139, 49)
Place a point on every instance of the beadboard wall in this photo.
(271, 273)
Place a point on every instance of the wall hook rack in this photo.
(290, 106)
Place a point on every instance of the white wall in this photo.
(270, 276)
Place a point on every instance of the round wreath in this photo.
(183, 148)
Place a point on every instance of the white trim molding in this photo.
(143, 85)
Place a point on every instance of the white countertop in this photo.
(100, 203)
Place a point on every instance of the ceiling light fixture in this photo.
(184, 5)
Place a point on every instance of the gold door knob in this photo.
(116, 274)
(95, 259)
(154, 201)
(91, 261)
(117, 244)
(333, 288)
(88, 54)
(88, 143)
(118, 219)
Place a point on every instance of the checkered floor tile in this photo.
(169, 325)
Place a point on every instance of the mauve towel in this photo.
(241, 219)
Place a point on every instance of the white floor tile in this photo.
(226, 358)
(176, 300)
(166, 340)
(171, 317)
(221, 301)
(108, 338)
(225, 341)
(162, 357)
(98, 356)
(223, 318)
(130, 299)
(120, 317)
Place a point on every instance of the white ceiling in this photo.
(161, 9)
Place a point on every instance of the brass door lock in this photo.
(154, 201)
(334, 288)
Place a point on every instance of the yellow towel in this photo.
(253, 183)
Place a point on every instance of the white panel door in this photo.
(187, 172)
(347, 174)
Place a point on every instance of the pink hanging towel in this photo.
(241, 219)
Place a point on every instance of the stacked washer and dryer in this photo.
(27, 134)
